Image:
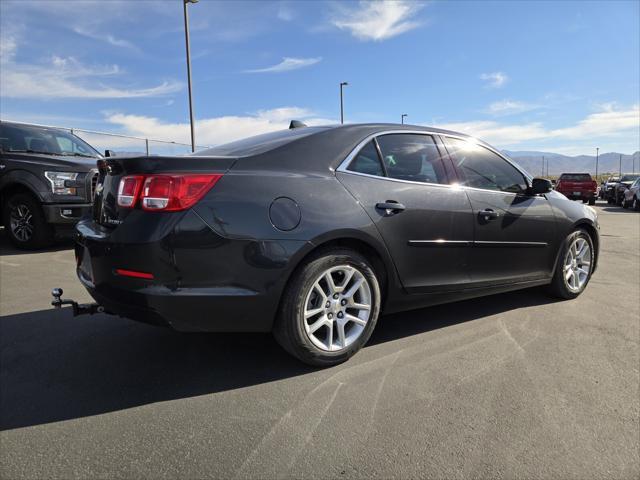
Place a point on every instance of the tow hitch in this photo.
(77, 308)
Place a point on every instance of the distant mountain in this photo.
(607, 162)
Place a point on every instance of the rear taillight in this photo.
(129, 189)
(167, 193)
(172, 193)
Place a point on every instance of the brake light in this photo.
(171, 193)
(168, 193)
(129, 189)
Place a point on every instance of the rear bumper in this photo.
(65, 213)
(586, 195)
(202, 282)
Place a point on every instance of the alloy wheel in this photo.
(21, 222)
(337, 308)
(577, 264)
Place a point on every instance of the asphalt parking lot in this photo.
(509, 386)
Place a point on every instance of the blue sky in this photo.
(551, 76)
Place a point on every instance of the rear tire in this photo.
(592, 201)
(574, 266)
(24, 222)
(624, 203)
(323, 322)
(635, 204)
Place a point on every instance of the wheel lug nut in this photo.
(340, 315)
(330, 316)
(335, 296)
(327, 305)
(343, 302)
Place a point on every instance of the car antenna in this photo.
(296, 124)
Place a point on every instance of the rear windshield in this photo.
(576, 177)
(628, 178)
(259, 144)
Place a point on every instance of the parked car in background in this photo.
(312, 232)
(625, 182)
(608, 185)
(47, 180)
(632, 196)
(577, 186)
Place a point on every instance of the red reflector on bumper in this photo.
(134, 274)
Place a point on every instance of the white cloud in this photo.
(108, 38)
(285, 13)
(611, 122)
(378, 20)
(494, 79)
(217, 130)
(287, 64)
(510, 107)
(66, 77)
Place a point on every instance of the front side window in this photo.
(367, 161)
(479, 167)
(412, 157)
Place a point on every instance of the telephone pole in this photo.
(597, 155)
(542, 166)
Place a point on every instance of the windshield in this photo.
(629, 178)
(51, 141)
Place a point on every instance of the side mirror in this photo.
(540, 185)
(109, 153)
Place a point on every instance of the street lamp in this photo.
(402, 118)
(597, 155)
(342, 84)
(186, 37)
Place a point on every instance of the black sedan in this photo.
(313, 232)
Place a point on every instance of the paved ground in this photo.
(509, 386)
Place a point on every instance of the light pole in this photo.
(620, 165)
(186, 37)
(402, 118)
(542, 174)
(342, 84)
(597, 155)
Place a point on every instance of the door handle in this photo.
(488, 214)
(390, 207)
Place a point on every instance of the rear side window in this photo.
(575, 177)
(367, 161)
(479, 167)
(412, 157)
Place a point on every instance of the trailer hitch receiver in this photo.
(77, 308)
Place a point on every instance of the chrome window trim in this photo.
(345, 163)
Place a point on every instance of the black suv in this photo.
(47, 180)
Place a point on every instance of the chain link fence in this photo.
(127, 144)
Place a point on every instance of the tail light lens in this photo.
(167, 193)
(129, 189)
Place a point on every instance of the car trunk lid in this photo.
(106, 211)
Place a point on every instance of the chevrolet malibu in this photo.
(313, 232)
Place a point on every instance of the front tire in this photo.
(25, 223)
(592, 201)
(574, 266)
(329, 308)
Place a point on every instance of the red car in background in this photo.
(578, 186)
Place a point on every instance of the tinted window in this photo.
(576, 177)
(367, 161)
(412, 157)
(43, 140)
(479, 167)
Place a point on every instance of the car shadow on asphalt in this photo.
(618, 210)
(55, 367)
(7, 248)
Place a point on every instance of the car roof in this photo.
(349, 134)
